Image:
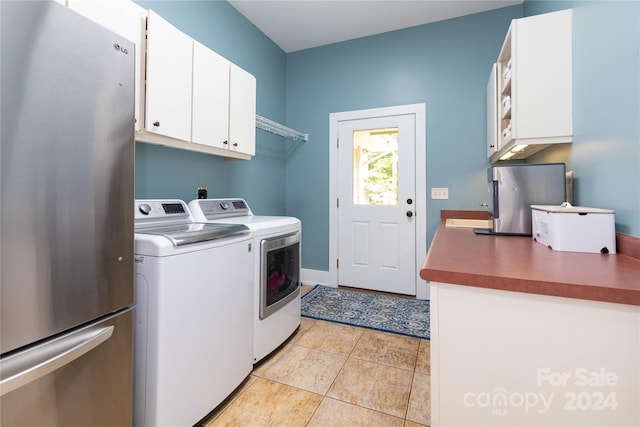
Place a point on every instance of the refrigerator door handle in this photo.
(496, 201)
(22, 368)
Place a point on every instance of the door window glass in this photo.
(375, 167)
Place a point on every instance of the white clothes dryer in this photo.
(194, 313)
(277, 241)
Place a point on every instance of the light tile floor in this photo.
(329, 374)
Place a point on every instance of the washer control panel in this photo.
(220, 208)
(167, 210)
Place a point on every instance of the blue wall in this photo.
(605, 153)
(445, 65)
(163, 172)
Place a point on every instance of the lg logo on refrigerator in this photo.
(117, 47)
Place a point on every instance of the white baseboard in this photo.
(319, 277)
(423, 290)
(315, 277)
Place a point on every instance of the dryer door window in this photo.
(280, 272)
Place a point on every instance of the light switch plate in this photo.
(439, 193)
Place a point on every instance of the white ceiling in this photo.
(301, 24)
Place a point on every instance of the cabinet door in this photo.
(169, 69)
(492, 112)
(242, 111)
(542, 76)
(210, 115)
(127, 19)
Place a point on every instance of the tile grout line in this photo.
(324, 395)
(413, 378)
(351, 356)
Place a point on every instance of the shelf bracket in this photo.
(278, 129)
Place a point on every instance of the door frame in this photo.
(419, 110)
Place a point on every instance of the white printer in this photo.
(574, 228)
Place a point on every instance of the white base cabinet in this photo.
(501, 358)
(534, 86)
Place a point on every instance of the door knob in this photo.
(409, 201)
(409, 214)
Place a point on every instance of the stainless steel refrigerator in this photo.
(66, 168)
(513, 188)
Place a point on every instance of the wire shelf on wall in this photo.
(278, 129)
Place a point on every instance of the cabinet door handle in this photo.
(235, 144)
(409, 214)
(156, 124)
(225, 142)
(409, 201)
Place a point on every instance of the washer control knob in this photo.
(144, 209)
(224, 206)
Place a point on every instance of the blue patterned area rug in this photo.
(404, 316)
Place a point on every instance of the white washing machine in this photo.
(194, 313)
(277, 268)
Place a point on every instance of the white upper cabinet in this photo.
(127, 19)
(224, 104)
(242, 111)
(169, 71)
(196, 99)
(493, 142)
(534, 86)
(186, 95)
(210, 116)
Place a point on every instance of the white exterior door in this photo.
(376, 203)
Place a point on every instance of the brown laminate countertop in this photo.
(519, 264)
